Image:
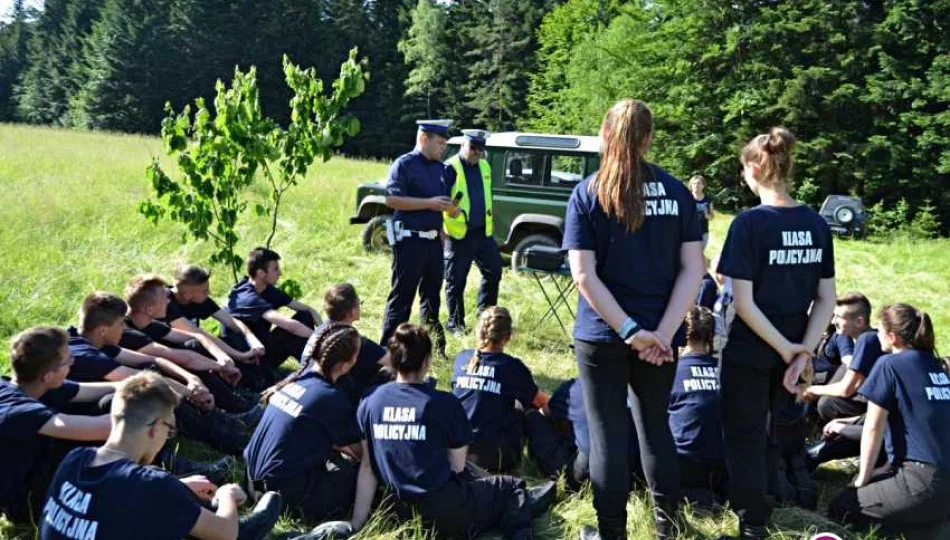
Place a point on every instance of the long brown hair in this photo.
(619, 181)
(912, 325)
(494, 327)
(330, 345)
(701, 327)
(772, 153)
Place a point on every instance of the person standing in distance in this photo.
(635, 251)
(417, 192)
(704, 205)
(469, 232)
(780, 258)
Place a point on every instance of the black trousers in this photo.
(752, 394)
(417, 266)
(323, 493)
(224, 395)
(703, 481)
(279, 345)
(217, 429)
(910, 500)
(608, 371)
(459, 256)
(501, 452)
(555, 453)
(465, 507)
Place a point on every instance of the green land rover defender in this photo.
(532, 178)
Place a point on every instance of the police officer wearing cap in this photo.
(417, 191)
(469, 233)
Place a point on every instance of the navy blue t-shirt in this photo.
(249, 306)
(488, 390)
(414, 175)
(22, 448)
(476, 191)
(867, 351)
(90, 364)
(134, 338)
(837, 347)
(410, 429)
(708, 293)
(195, 313)
(567, 404)
(784, 252)
(363, 374)
(695, 419)
(639, 269)
(116, 501)
(703, 207)
(302, 423)
(915, 390)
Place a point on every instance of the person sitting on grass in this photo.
(294, 449)
(146, 333)
(708, 291)
(254, 301)
(838, 398)
(695, 420)
(495, 389)
(99, 358)
(342, 305)
(559, 441)
(32, 428)
(110, 492)
(190, 302)
(415, 441)
(908, 393)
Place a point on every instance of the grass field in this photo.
(71, 227)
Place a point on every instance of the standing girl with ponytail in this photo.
(495, 389)
(307, 420)
(908, 394)
(635, 249)
(780, 258)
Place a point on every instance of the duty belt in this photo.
(395, 233)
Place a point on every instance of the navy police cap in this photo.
(476, 136)
(440, 127)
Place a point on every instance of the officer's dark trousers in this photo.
(465, 507)
(500, 452)
(459, 256)
(911, 500)
(752, 395)
(323, 493)
(417, 266)
(607, 370)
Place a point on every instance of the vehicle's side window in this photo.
(524, 168)
(566, 171)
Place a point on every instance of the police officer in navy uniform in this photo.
(417, 192)
(469, 234)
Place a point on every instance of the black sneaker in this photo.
(331, 530)
(588, 533)
(541, 497)
(258, 524)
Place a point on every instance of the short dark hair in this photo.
(259, 258)
(701, 326)
(409, 347)
(143, 290)
(856, 299)
(339, 300)
(191, 274)
(35, 352)
(101, 309)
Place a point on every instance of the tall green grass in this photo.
(69, 199)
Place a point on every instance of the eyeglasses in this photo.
(172, 428)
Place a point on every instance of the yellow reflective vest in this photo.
(457, 227)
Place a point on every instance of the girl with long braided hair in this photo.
(495, 389)
(308, 422)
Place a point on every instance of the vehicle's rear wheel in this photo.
(374, 235)
(538, 239)
(845, 215)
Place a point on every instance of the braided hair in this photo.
(329, 346)
(494, 328)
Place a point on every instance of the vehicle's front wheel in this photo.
(538, 239)
(374, 234)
